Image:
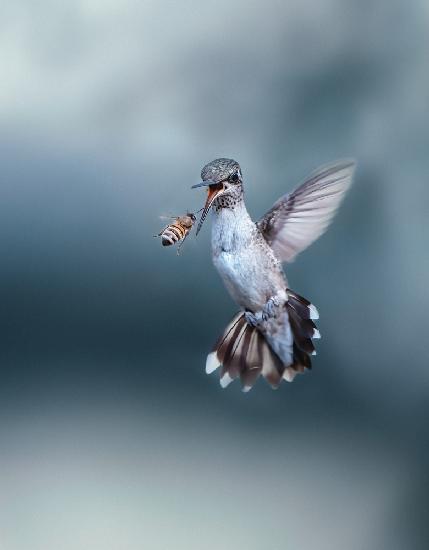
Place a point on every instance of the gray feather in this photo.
(296, 220)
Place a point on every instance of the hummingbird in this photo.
(272, 334)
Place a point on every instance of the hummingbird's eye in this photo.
(234, 178)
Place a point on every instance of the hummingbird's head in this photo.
(224, 182)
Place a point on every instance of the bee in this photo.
(177, 231)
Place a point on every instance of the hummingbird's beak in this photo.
(213, 191)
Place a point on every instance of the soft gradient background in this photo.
(112, 437)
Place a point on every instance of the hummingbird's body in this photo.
(251, 272)
(273, 333)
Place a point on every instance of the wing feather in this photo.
(297, 219)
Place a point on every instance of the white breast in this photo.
(243, 259)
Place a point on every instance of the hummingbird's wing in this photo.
(299, 218)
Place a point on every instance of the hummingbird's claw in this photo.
(253, 319)
(271, 308)
(270, 311)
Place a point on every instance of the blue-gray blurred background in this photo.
(111, 434)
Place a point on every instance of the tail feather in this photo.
(243, 352)
(289, 374)
(304, 308)
(272, 368)
(233, 359)
(251, 361)
(301, 314)
(301, 360)
(224, 349)
(303, 326)
(300, 332)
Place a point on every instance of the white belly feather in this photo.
(244, 260)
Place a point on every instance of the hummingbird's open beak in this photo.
(213, 191)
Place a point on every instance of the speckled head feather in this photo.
(220, 170)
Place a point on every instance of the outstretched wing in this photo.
(299, 218)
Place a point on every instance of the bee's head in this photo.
(223, 179)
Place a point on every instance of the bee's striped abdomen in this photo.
(172, 234)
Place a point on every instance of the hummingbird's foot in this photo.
(253, 319)
(272, 307)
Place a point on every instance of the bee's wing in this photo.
(296, 220)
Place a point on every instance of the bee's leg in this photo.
(181, 244)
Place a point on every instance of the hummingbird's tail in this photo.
(243, 352)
